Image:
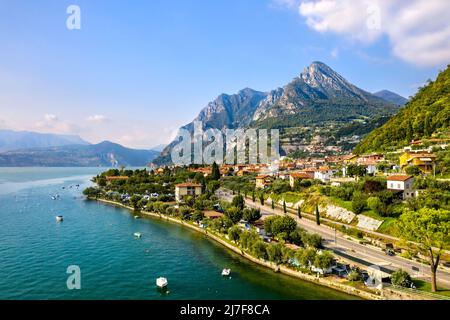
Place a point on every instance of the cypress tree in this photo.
(253, 196)
(273, 204)
(299, 212)
(261, 198)
(284, 206)
(215, 174)
(317, 215)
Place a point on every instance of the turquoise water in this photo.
(35, 251)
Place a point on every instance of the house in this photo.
(205, 171)
(212, 214)
(263, 181)
(297, 176)
(187, 189)
(402, 184)
(370, 158)
(350, 158)
(323, 174)
(424, 160)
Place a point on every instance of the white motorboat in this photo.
(226, 272)
(137, 217)
(161, 282)
(59, 218)
(137, 235)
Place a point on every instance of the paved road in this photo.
(351, 250)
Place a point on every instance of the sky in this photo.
(135, 71)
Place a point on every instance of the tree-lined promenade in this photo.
(281, 242)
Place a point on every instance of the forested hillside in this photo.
(426, 115)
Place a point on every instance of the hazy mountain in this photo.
(317, 97)
(104, 154)
(426, 115)
(391, 97)
(14, 140)
(159, 147)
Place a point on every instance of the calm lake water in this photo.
(35, 251)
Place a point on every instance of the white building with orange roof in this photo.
(401, 183)
(323, 174)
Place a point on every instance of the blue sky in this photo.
(135, 72)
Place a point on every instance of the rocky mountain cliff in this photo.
(319, 97)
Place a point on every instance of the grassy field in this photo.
(426, 287)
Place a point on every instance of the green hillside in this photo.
(427, 114)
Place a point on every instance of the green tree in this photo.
(213, 185)
(413, 170)
(284, 206)
(197, 215)
(234, 233)
(91, 192)
(134, 201)
(354, 275)
(215, 174)
(238, 202)
(324, 260)
(283, 224)
(251, 215)
(275, 252)
(430, 228)
(273, 204)
(307, 257)
(259, 249)
(234, 214)
(253, 197)
(359, 202)
(299, 212)
(317, 215)
(185, 212)
(311, 240)
(401, 278)
(101, 182)
(261, 198)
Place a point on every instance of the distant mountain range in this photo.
(426, 115)
(14, 140)
(319, 98)
(104, 154)
(391, 97)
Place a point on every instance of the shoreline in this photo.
(276, 268)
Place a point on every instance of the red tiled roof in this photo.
(399, 177)
(109, 178)
(300, 175)
(188, 184)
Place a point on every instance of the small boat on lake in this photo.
(137, 235)
(137, 217)
(59, 218)
(226, 272)
(161, 282)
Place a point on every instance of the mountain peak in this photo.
(391, 97)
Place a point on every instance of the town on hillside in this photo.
(315, 215)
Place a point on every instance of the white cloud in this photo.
(97, 118)
(51, 123)
(418, 30)
(50, 118)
